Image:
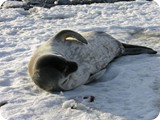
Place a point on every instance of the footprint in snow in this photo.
(3, 103)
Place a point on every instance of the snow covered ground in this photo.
(130, 88)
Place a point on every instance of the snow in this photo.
(157, 1)
(130, 88)
(1, 2)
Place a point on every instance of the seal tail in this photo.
(135, 50)
(62, 35)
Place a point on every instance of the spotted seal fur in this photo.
(71, 59)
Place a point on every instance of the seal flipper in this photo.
(62, 35)
(135, 50)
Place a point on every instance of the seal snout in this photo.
(47, 79)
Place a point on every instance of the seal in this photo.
(71, 59)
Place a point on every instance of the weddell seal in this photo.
(71, 59)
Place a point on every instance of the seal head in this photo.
(50, 70)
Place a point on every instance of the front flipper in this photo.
(96, 75)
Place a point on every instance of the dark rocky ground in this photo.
(27, 4)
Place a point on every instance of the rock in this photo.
(27, 4)
(15, 4)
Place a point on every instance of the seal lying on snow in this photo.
(70, 59)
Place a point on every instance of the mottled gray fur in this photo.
(70, 59)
